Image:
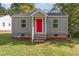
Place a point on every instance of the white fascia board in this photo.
(39, 11)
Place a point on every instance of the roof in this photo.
(22, 14)
(55, 14)
(30, 14)
(39, 11)
(5, 17)
(1, 15)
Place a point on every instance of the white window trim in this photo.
(9, 24)
(56, 23)
(3, 24)
(20, 24)
(42, 25)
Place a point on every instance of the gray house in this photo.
(39, 26)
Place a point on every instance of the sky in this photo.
(46, 6)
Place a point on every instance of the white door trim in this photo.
(45, 26)
(32, 30)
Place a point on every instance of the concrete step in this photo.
(39, 34)
(38, 41)
(40, 38)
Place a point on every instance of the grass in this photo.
(12, 47)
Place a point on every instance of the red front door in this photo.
(39, 25)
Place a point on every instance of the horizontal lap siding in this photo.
(16, 27)
(63, 26)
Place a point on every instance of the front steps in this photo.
(38, 38)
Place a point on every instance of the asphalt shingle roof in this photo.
(29, 14)
(22, 14)
(55, 14)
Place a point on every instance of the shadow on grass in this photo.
(6, 39)
(76, 40)
(60, 43)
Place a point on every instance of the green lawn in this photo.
(11, 47)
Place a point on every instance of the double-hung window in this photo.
(3, 24)
(23, 23)
(55, 23)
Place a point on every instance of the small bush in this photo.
(75, 34)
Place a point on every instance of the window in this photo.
(23, 23)
(9, 24)
(3, 24)
(55, 23)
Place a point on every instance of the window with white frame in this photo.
(9, 24)
(23, 23)
(55, 23)
(3, 24)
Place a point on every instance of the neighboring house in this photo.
(5, 23)
(39, 26)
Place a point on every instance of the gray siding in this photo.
(17, 30)
(16, 27)
(62, 27)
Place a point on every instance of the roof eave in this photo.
(39, 11)
(20, 16)
(59, 16)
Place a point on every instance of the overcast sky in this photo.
(46, 6)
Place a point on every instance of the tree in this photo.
(27, 7)
(2, 10)
(57, 7)
(72, 10)
(22, 7)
